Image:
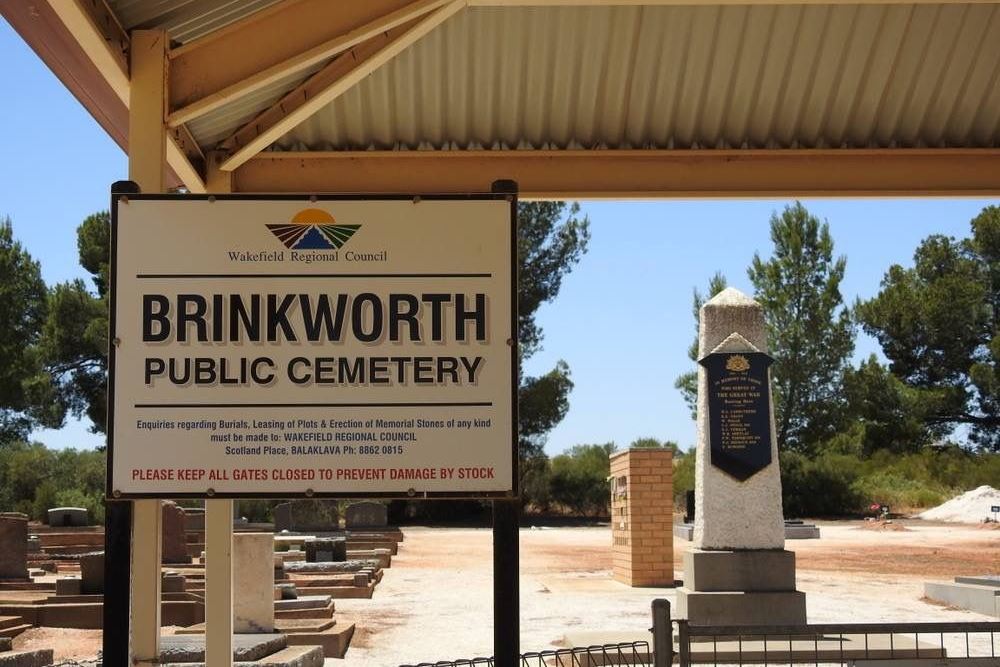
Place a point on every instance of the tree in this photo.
(939, 324)
(580, 479)
(687, 383)
(810, 333)
(26, 395)
(552, 237)
(655, 443)
(890, 414)
(75, 340)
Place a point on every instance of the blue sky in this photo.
(622, 321)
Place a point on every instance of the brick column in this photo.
(642, 513)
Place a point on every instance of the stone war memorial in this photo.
(737, 571)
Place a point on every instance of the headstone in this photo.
(92, 573)
(67, 516)
(172, 582)
(194, 518)
(253, 583)
(13, 545)
(326, 550)
(69, 586)
(174, 542)
(737, 572)
(34, 544)
(689, 506)
(367, 514)
(307, 515)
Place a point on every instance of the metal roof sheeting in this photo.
(706, 76)
(213, 127)
(184, 20)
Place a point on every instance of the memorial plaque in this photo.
(739, 412)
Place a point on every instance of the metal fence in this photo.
(971, 644)
(675, 641)
(627, 653)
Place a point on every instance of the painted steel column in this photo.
(218, 523)
(146, 167)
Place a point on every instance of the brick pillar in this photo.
(13, 546)
(642, 515)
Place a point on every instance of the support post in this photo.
(219, 515)
(219, 583)
(663, 643)
(506, 584)
(506, 556)
(147, 168)
(117, 578)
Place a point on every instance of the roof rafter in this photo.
(327, 84)
(572, 174)
(274, 43)
(98, 34)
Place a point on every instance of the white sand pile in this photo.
(970, 507)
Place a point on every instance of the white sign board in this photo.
(282, 346)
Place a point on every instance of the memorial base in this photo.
(740, 588)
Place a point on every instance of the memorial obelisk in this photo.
(738, 571)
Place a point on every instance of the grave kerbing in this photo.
(738, 571)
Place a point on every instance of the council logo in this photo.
(313, 229)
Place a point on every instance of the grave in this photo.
(326, 550)
(738, 571)
(13, 546)
(307, 515)
(366, 515)
(67, 516)
(980, 594)
(174, 541)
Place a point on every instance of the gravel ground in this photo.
(436, 601)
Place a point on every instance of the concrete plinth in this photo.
(740, 588)
(982, 599)
(253, 583)
(742, 608)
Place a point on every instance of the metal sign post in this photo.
(506, 522)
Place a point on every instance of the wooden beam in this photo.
(219, 581)
(635, 173)
(273, 44)
(92, 27)
(147, 140)
(328, 84)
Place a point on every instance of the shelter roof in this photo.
(339, 94)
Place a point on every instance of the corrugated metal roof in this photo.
(762, 76)
(217, 125)
(184, 20)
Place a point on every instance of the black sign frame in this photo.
(739, 412)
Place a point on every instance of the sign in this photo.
(334, 346)
(995, 508)
(739, 412)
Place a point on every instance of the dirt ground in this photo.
(435, 602)
(66, 643)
